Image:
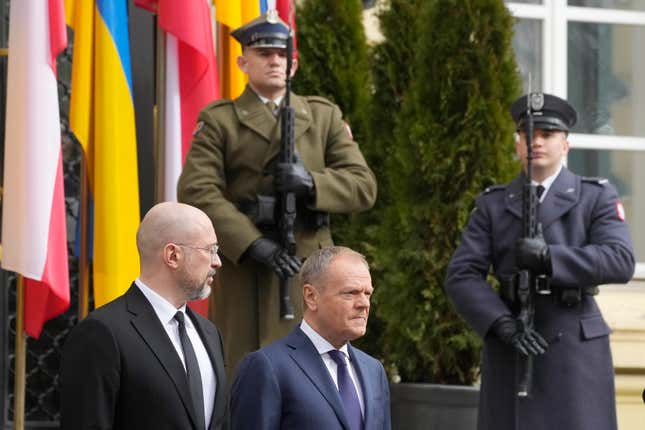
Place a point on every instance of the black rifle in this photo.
(287, 199)
(529, 284)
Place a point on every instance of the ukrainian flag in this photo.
(102, 118)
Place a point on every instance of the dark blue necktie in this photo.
(347, 391)
(192, 371)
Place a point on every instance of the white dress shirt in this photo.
(547, 183)
(277, 100)
(323, 347)
(166, 313)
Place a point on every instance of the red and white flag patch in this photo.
(620, 211)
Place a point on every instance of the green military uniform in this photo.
(235, 145)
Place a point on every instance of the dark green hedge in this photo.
(437, 132)
(453, 137)
(333, 63)
(332, 56)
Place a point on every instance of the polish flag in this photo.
(191, 82)
(34, 236)
(287, 11)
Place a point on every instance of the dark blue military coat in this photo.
(573, 382)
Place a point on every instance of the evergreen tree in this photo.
(332, 57)
(452, 137)
(333, 63)
(391, 73)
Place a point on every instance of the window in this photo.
(589, 52)
(609, 4)
(527, 45)
(604, 77)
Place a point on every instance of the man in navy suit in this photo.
(314, 378)
(584, 243)
(145, 360)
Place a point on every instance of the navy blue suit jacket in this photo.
(287, 386)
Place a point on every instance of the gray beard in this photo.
(202, 293)
(198, 293)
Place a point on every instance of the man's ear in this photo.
(567, 145)
(310, 297)
(242, 63)
(294, 67)
(172, 255)
(518, 146)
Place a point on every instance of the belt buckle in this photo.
(570, 296)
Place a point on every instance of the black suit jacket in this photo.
(120, 371)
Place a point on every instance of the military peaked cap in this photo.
(265, 31)
(549, 112)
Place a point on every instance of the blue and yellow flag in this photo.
(102, 118)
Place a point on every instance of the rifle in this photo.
(287, 215)
(528, 283)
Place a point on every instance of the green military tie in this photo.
(272, 107)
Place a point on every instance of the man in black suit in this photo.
(313, 378)
(145, 360)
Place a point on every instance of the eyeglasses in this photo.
(211, 249)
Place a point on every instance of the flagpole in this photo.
(20, 358)
(222, 54)
(83, 260)
(159, 117)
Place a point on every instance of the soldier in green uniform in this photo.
(232, 173)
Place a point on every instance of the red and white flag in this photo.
(191, 82)
(34, 236)
(287, 11)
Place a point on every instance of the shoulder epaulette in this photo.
(318, 99)
(217, 103)
(494, 188)
(595, 180)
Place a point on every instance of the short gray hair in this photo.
(316, 265)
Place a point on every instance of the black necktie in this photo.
(347, 391)
(539, 190)
(192, 371)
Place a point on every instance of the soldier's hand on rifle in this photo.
(526, 340)
(268, 252)
(533, 254)
(294, 178)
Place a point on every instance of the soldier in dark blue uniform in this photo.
(585, 244)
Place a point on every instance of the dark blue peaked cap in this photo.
(555, 113)
(265, 31)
